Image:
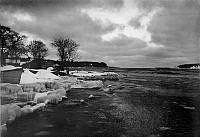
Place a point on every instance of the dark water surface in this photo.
(144, 103)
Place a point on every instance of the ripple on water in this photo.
(49, 125)
(42, 133)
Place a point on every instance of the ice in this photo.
(45, 74)
(28, 77)
(90, 73)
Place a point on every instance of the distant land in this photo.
(45, 63)
(196, 65)
(42, 63)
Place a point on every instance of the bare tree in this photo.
(16, 47)
(66, 48)
(37, 49)
(11, 43)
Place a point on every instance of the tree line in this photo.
(12, 44)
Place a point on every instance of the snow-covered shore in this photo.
(36, 90)
(93, 75)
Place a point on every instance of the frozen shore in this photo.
(35, 91)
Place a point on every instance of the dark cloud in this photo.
(164, 53)
(36, 5)
(120, 47)
(42, 3)
(177, 27)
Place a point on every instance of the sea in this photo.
(144, 102)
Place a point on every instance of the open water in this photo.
(143, 103)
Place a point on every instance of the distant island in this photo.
(190, 66)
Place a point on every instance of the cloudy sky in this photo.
(123, 33)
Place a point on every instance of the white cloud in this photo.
(23, 16)
(31, 37)
(114, 16)
(111, 35)
(154, 45)
(109, 60)
(121, 18)
(18, 16)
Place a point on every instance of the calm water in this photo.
(144, 103)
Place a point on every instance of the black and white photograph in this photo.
(100, 68)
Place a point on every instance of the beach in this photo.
(143, 102)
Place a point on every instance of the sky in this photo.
(121, 33)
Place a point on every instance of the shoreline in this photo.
(44, 91)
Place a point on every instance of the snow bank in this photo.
(28, 77)
(46, 75)
(67, 79)
(34, 87)
(50, 68)
(9, 67)
(85, 73)
(90, 73)
(52, 96)
(88, 84)
(10, 112)
(10, 89)
(41, 76)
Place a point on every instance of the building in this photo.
(14, 61)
